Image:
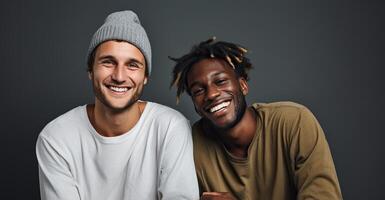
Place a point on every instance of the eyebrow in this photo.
(113, 58)
(197, 83)
(105, 57)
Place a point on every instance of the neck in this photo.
(110, 123)
(238, 138)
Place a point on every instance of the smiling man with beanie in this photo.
(119, 147)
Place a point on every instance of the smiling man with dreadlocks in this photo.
(264, 151)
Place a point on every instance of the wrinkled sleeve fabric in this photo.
(311, 160)
(55, 178)
(177, 174)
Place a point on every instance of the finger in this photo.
(212, 193)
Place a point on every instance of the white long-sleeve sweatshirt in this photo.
(154, 160)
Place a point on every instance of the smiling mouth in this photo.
(118, 89)
(219, 107)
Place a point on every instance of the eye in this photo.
(197, 91)
(133, 65)
(107, 63)
(220, 81)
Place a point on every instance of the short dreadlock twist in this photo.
(233, 54)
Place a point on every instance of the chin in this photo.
(117, 106)
(226, 124)
(118, 109)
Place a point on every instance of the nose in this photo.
(118, 74)
(212, 93)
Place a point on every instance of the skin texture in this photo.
(119, 66)
(211, 82)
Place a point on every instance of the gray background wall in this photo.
(327, 55)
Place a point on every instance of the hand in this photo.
(216, 196)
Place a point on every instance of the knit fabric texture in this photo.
(123, 25)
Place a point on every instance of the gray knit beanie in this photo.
(123, 25)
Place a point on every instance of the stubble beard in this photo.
(102, 98)
(240, 109)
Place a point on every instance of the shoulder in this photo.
(171, 128)
(287, 119)
(159, 112)
(284, 110)
(197, 130)
(208, 151)
(202, 142)
(166, 121)
(280, 106)
(66, 126)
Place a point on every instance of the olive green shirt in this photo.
(288, 158)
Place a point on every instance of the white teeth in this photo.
(118, 89)
(220, 106)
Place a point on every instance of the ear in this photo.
(244, 86)
(145, 80)
(90, 75)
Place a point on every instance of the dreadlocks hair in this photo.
(233, 54)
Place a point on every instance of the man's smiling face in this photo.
(217, 92)
(118, 74)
